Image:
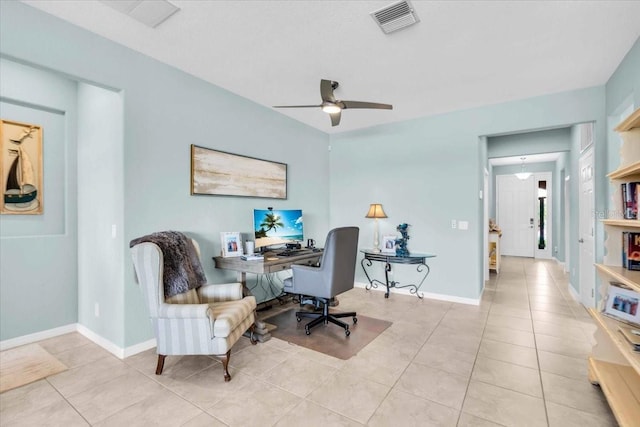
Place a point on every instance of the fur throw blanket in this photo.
(182, 268)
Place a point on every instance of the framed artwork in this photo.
(215, 172)
(623, 304)
(21, 168)
(231, 244)
(389, 244)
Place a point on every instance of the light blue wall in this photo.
(559, 174)
(524, 144)
(165, 110)
(38, 274)
(426, 172)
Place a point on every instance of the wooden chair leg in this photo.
(160, 365)
(225, 366)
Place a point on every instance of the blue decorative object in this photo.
(401, 244)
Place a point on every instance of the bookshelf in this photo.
(494, 251)
(613, 364)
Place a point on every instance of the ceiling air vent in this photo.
(150, 12)
(395, 16)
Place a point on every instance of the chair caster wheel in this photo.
(307, 331)
(355, 320)
(298, 318)
(347, 332)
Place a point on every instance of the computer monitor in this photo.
(277, 227)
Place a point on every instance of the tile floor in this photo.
(519, 359)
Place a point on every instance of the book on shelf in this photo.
(632, 335)
(252, 257)
(630, 199)
(631, 250)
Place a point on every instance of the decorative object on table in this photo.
(21, 168)
(219, 173)
(231, 244)
(375, 212)
(389, 244)
(493, 227)
(401, 243)
(623, 304)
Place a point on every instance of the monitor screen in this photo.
(277, 227)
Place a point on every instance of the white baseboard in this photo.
(439, 297)
(574, 294)
(112, 348)
(560, 263)
(37, 336)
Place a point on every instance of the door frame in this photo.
(546, 253)
(588, 299)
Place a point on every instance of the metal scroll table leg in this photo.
(373, 283)
(421, 268)
(387, 269)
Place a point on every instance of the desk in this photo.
(270, 264)
(389, 258)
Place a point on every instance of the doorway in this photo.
(515, 214)
(543, 188)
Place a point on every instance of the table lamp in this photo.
(375, 212)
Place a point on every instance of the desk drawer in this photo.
(286, 265)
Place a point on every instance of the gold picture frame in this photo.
(21, 168)
(219, 173)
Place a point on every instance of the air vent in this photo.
(150, 12)
(395, 16)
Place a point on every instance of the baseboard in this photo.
(112, 348)
(574, 294)
(37, 336)
(439, 297)
(560, 263)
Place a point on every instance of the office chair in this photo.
(334, 276)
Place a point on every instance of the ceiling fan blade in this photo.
(297, 106)
(335, 118)
(326, 91)
(358, 104)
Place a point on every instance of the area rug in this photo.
(328, 339)
(26, 364)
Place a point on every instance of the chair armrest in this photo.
(220, 293)
(184, 311)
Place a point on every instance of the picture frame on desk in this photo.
(231, 244)
(623, 304)
(388, 244)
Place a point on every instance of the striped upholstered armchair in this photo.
(206, 320)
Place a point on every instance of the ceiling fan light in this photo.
(523, 175)
(331, 108)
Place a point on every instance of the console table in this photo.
(390, 258)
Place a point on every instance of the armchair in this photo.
(206, 320)
(334, 276)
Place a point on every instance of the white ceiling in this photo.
(462, 54)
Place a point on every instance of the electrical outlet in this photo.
(463, 225)
(113, 231)
(454, 223)
(96, 310)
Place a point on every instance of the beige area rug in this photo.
(26, 364)
(328, 339)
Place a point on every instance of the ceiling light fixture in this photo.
(522, 175)
(331, 108)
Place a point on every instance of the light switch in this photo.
(454, 223)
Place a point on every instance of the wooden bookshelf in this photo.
(626, 172)
(613, 363)
(632, 223)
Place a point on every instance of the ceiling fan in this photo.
(334, 106)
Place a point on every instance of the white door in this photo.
(485, 207)
(515, 215)
(586, 230)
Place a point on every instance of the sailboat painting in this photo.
(21, 168)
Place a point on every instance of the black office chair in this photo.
(334, 276)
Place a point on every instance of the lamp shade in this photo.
(376, 211)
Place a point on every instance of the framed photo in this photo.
(21, 168)
(623, 304)
(218, 173)
(389, 244)
(231, 243)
